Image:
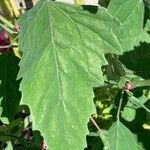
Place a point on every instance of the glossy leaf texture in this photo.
(121, 138)
(63, 50)
(131, 15)
(9, 94)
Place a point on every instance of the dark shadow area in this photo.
(142, 117)
(19, 129)
(20, 132)
(104, 3)
(9, 86)
(147, 3)
(94, 9)
(26, 4)
(136, 127)
(146, 14)
(94, 143)
(146, 11)
(104, 98)
(114, 69)
(91, 9)
(29, 4)
(28, 139)
(138, 60)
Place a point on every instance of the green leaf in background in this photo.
(114, 69)
(63, 50)
(131, 15)
(11, 131)
(136, 102)
(9, 86)
(145, 35)
(9, 146)
(121, 138)
(129, 112)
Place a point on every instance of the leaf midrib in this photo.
(56, 59)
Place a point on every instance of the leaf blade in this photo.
(58, 74)
(120, 137)
(133, 18)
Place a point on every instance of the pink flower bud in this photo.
(17, 27)
(128, 86)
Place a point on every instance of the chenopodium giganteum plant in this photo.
(64, 48)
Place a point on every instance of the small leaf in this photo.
(128, 112)
(9, 146)
(115, 69)
(121, 138)
(136, 102)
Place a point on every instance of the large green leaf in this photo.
(131, 15)
(121, 138)
(63, 50)
(9, 94)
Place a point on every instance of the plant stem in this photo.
(7, 46)
(95, 124)
(120, 104)
(142, 83)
